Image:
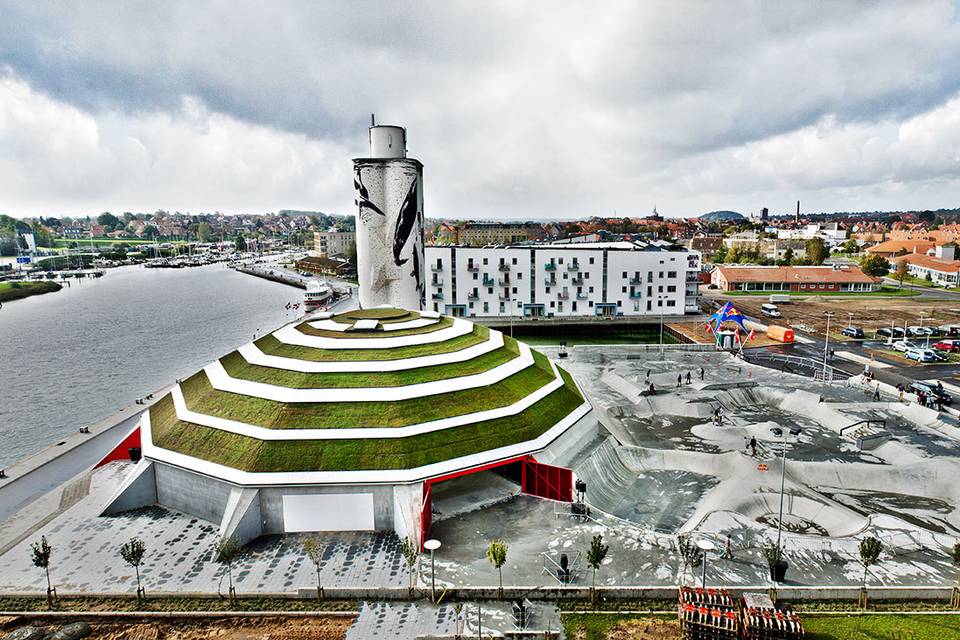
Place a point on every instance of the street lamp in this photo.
(706, 546)
(927, 343)
(660, 300)
(826, 344)
(432, 545)
(777, 431)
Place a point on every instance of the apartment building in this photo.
(333, 243)
(582, 279)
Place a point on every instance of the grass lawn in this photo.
(867, 627)
(251, 454)
(270, 345)
(383, 315)
(597, 626)
(874, 627)
(884, 292)
(327, 333)
(17, 290)
(201, 397)
(237, 367)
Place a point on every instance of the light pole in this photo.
(706, 546)
(660, 305)
(777, 431)
(927, 342)
(432, 545)
(826, 344)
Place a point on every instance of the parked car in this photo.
(947, 345)
(770, 310)
(904, 345)
(917, 330)
(852, 332)
(941, 356)
(934, 331)
(920, 355)
(930, 388)
(890, 332)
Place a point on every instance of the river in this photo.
(78, 355)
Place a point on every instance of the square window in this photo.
(475, 274)
(485, 261)
(514, 261)
(489, 289)
(566, 276)
(590, 290)
(553, 304)
(591, 260)
(514, 289)
(619, 303)
(624, 274)
(559, 260)
(520, 276)
(671, 274)
(623, 289)
(548, 289)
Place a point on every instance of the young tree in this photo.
(497, 555)
(875, 265)
(240, 242)
(311, 546)
(788, 256)
(690, 554)
(226, 551)
(203, 232)
(411, 553)
(851, 246)
(901, 272)
(132, 553)
(773, 554)
(40, 552)
(870, 549)
(816, 251)
(595, 556)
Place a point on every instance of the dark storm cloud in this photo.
(517, 109)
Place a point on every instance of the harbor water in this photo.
(78, 355)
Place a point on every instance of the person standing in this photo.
(688, 377)
(753, 446)
(701, 374)
(679, 380)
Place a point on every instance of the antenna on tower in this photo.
(373, 120)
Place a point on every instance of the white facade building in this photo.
(583, 279)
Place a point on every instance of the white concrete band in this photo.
(252, 354)
(291, 335)
(263, 433)
(247, 478)
(330, 325)
(223, 381)
(409, 324)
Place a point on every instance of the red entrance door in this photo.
(547, 481)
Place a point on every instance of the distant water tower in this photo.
(389, 196)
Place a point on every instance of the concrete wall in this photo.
(191, 493)
(271, 503)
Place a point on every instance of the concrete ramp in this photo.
(661, 499)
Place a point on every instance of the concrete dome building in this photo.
(345, 422)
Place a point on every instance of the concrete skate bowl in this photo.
(659, 499)
(802, 515)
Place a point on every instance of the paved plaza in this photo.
(656, 467)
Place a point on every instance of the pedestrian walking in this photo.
(753, 446)
(701, 374)
(876, 393)
(648, 374)
(688, 377)
(679, 380)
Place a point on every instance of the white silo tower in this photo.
(389, 196)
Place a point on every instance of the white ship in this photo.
(318, 295)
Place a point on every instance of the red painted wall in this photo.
(122, 450)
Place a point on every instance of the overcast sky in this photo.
(517, 109)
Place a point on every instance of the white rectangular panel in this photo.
(328, 512)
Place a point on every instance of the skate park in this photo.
(657, 467)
